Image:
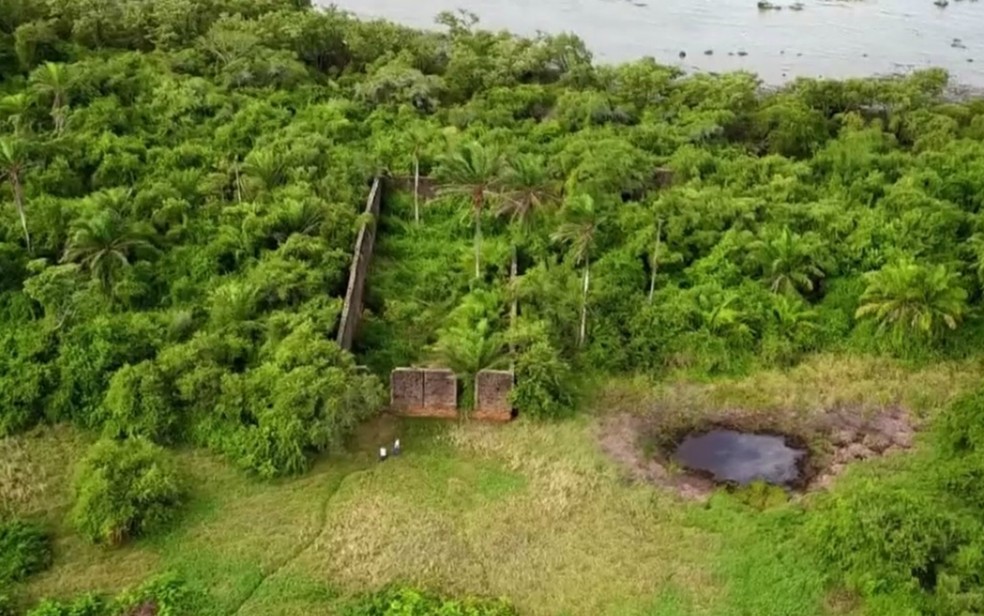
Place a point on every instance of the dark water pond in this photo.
(828, 38)
(730, 456)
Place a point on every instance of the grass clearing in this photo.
(529, 511)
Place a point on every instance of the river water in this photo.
(848, 38)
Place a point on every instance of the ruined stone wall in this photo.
(361, 258)
(426, 186)
(433, 392)
(492, 389)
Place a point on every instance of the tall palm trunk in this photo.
(583, 333)
(478, 243)
(514, 307)
(19, 202)
(654, 265)
(416, 189)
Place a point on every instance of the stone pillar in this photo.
(492, 390)
(406, 390)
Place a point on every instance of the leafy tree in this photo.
(911, 297)
(473, 170)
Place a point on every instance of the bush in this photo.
(125, 489)
(24, 549)
(960, 437)
(6, 605)
(137, 404)
(885, 538)
(544, 383)
(410, 602)
(164, 595)
(86, 605)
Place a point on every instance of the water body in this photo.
(840, 38)
(741, 458)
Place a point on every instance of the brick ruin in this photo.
(433, 392)
(492, 389)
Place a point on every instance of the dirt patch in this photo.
(641, 444)
(620, 438)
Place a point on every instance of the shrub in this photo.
(885, 538)
(164, 595)
(960, 436)
(137, 404)
(86, 605)
(410, 602)
(544, 383)
(24, 549)
(6, 606)
(125, 489)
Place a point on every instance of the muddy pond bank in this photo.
(647, 447)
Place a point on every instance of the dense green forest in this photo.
(183, 181)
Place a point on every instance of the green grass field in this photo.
(531, 512)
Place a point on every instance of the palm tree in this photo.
(793, 315)
(468, 348)
(52, 81)
(579, 234)
(789, 261)
(106, 244)
(16, 110)
(527, 190)
(719, 316)
(13, 162)
(910, 296)
(262, 170)
(472, 170)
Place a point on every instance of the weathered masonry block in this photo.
(433, 392)
(492, 390)
(440, 391)
(359, 271)
(406, 390)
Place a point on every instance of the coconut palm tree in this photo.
(527, 190)
(579, 232)
(262, 170)
(106, 244)
(913, 297)
(16, 109)
(52, 81)
(472, 170)
(789, 261)
(13, 162)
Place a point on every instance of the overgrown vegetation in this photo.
(410, 602)
(125, 489)
(24, 549)
(181, 184)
